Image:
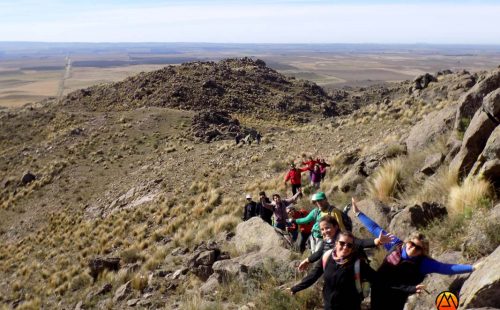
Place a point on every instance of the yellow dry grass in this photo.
(472, 194)
(384, 184)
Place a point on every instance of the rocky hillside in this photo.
(235, 85)
(107, 204)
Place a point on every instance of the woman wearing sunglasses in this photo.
(340, 290)
(404, 268)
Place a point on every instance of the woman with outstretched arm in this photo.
(404, 268)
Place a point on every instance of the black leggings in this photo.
(295, 187)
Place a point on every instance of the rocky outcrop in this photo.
(488, 162)
(476, 136)
(422, 81)
(470, 102)
(235, 85)
(434, 125)
(481, 289)
(432, 163)
(208, 126)
(98, 265)
(412, 218)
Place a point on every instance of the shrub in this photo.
(471, 194)
(384, 184)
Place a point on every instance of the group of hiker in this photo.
(338, 256)
(317, 173)
(248, 139)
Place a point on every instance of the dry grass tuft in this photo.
(473, 193)
(383, 185)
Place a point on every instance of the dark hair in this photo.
(276, 195)
(262, 194)
(346, 234)
(329, 219)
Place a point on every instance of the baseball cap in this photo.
(318, 196)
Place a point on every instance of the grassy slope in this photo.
(52, 227)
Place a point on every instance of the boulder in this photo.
(122, 292)
(436, 283)
(488, 163)
(453, 146)
(433, 125)
(491, 105)
(257, 235)
(27, 178)
(432, 163)
(350, 181)
(422, 81)
(229, 269)
(483, 286)
(470, 102)
(481, 235)
(412, 218)
(473, 143)
(211, 285)
(203, 272)
(99, 264)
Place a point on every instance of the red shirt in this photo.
(294, 176)
(310, 164)
(304, 227)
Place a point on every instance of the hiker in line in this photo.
(316, 177)
(258, 136)
(310, 166)
(323, 208)
(300, 233)
(295, 177)
(345, 274)
(279, 208)
(237, 138)
(407, 264)
(330, 232)
(322, 163)
(265, 214)
(250, 209)
(248, 139)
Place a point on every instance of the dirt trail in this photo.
(66, 75)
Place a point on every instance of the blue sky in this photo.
(237, 21)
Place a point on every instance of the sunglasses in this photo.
(416, 246)
(345, 244)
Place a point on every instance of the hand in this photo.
(420, 288)
(289, 221)
(355, 208)
(303, 265)
(384, 239)
(289, 290)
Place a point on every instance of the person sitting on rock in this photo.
(407, 264)
(300, 233)
(250, 209)
(279, 208)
